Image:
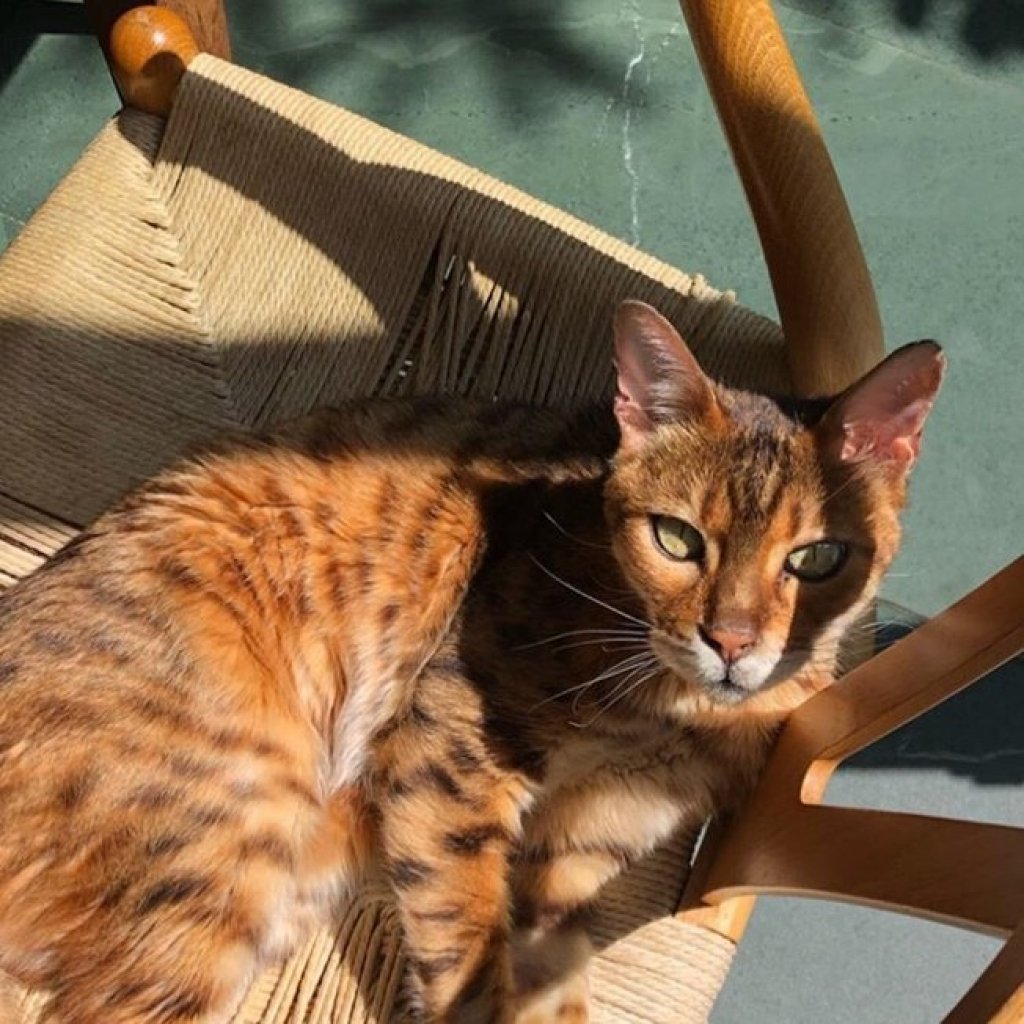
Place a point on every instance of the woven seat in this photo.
(263, 253)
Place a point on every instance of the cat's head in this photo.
(754, 537)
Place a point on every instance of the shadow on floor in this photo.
(416, 34)
(989, 28)
(23, 20)
(974, 735)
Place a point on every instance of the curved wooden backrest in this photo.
(822, 287)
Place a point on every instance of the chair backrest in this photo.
(264, 253)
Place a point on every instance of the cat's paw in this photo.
(551, 978)
(566, 1002)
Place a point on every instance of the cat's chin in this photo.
(726, 692)
(706, 672)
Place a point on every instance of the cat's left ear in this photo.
(882, 415)
(659, 380)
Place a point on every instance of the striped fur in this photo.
(430, 636)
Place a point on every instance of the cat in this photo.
(495, 651)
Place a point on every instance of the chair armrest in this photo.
(943, 656)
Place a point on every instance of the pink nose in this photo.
(729, 640)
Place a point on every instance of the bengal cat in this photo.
(495, 651)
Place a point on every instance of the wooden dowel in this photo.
(149, 50)
(822, 287)
(205, 18)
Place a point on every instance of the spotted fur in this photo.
(432, 637)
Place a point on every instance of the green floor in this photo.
(598, 107)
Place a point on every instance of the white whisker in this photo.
(621, 696)
(589, 597)
(626, 665)
(602, 643)
(565, 533)
(619, 632)
(853, 478)
(630, 664)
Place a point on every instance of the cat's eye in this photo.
(677, 538)
(816, 561)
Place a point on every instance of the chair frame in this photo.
(783, 840)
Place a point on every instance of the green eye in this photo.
(677, 538)
(816, 561)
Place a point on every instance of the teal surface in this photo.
(598, 107)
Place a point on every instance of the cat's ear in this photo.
(882, 415)
(659, 381)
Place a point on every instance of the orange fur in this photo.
(434, 636)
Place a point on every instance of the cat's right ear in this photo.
(881, 416)
(659, 381)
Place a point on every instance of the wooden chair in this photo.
(964, 873)
(189, 276)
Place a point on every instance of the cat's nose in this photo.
(729, 640)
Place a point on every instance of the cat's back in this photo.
(254, 539)
(171, 683)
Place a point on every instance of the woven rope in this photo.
(267, 253)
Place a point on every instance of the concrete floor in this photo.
(598, 106)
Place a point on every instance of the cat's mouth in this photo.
(725, 683)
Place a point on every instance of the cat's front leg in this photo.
(576, 841)
(551, 947)
(450, 819)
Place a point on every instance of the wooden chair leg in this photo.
(205, 18)
(785, 841)
(997, 997)
(727, 917)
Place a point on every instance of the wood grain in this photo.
(205, 18)
(961, 872)
(997, 997)
(822, 287)
(149, 50)
(964, 873)
(943, 656)
(727, 917)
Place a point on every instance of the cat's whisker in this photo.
(630, 664)
(623, 666)
(578, 540)
(642, 666)
(868, 629)
(631, 632)
(589, 597)
(852, 479)
(626, 665)
(604, 645)
(622, 696)
(629, 677)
